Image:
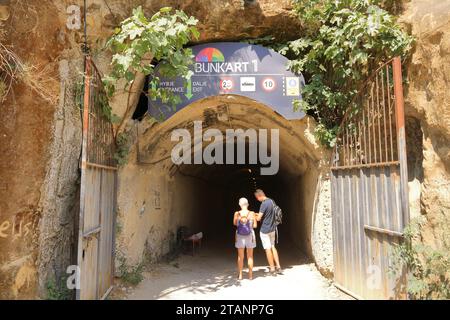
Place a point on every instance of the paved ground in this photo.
(212, 275)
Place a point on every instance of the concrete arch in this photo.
(166, 196)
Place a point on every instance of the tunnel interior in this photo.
(212, 193)
(203, 197)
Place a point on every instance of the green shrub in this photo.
(129, 274)
(58, 290)
(122, 148)
(344, 41)
(133, 275)
(428, 268)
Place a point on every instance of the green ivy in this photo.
(163, 36)
(344, 41)
(106, 109)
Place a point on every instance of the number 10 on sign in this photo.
(268, 84)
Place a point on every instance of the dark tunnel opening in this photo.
(215, 191)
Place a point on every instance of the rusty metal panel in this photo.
(369, 188)
(106, 234)
(88, 266)
(97, 191)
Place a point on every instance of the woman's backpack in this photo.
(244, 229)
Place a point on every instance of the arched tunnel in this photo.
(203, 197)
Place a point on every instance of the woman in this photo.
(245, 222)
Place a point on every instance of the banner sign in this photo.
(235, 68)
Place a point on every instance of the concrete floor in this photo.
(211, 274)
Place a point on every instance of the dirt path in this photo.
(212, 275)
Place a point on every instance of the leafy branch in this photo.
(161, 38)
(345, 41)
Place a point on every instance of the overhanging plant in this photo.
(162, 37)
(344, 41)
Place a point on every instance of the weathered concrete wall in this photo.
(60, 192)
(322, 233)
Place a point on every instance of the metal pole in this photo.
(84, 146)
(401, 134)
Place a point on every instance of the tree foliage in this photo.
(345, 40)
(161, 37)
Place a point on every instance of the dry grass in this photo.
(13, 70)
(9, 70)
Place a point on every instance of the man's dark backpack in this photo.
(277, 213)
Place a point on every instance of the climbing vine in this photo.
(345, 40)
(140, 42)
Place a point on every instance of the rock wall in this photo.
(26, 126)
(427, 106)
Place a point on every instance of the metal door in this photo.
(369, 188)
(98, 191)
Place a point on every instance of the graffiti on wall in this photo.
(18, 226)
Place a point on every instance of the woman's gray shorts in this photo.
(248, 241)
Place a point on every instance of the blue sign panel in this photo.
(235, 68)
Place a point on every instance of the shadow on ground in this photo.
(212, 274)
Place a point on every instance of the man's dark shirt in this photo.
(268, 219)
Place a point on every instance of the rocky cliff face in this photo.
(427, 97)
(26, 125)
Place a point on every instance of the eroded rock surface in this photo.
(428, 104)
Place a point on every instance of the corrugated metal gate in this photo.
(369, 188)
(97, 193)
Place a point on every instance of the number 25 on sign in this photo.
(226, 84)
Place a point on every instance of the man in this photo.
(268, 229)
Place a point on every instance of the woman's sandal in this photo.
(271, 271)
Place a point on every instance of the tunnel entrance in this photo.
(157, 196)
(139, 207)
(211, 192)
